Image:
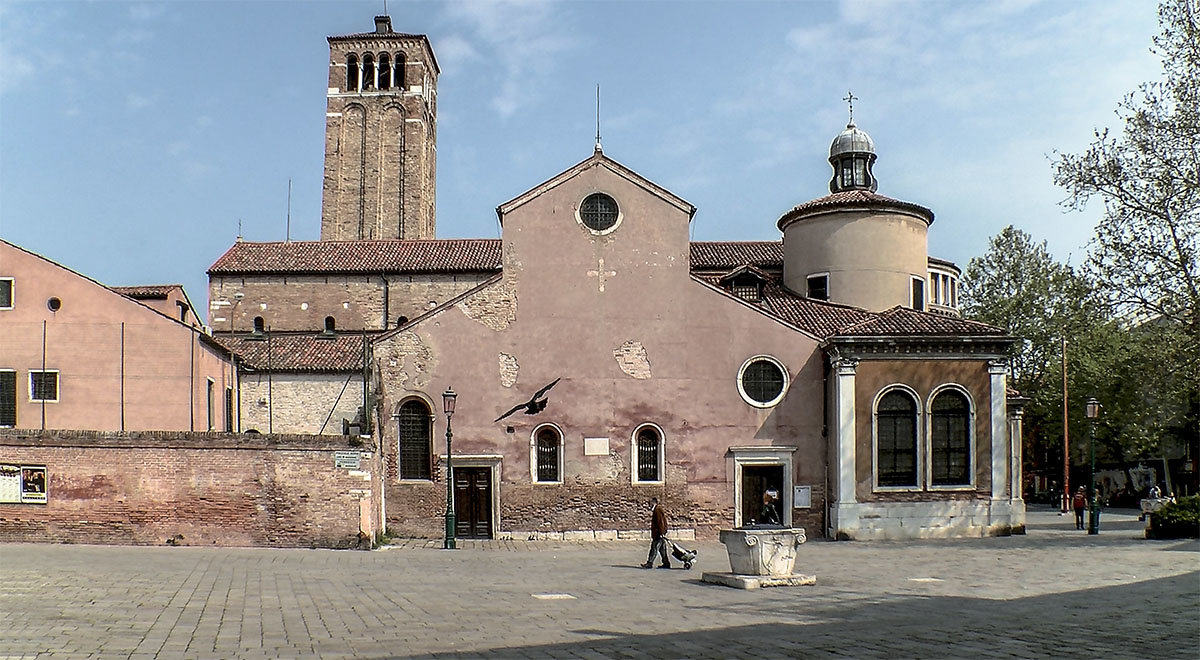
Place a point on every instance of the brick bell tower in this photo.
(380, 136)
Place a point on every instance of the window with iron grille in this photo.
(43, 385)
(548, 454)
(598, 212)
(8, 398)
(950, 440)
(415, 440)
(896, 439)
(747, 287)
(648, 448)
(6, 293)
(762, 381)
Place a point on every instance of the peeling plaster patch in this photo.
(631, 357)
(509, 369)
(408, 361)
(494, 306)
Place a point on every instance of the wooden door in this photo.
(473, 502)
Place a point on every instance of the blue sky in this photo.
(134, 136)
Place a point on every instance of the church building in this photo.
(600, 357)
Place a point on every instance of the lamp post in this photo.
(448, 398)
(1093, 410)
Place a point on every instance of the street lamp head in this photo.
(448, 398)
(1093, 408)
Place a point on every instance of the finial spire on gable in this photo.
(850, 98)
(599, 149)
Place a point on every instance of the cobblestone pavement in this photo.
(1053, 593)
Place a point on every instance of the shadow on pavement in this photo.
(1151, 619)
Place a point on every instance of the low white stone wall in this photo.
(879, 521)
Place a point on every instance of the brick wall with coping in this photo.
(179, 488)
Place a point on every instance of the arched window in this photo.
(896, 439)
(259, 325)
(351, 73)
(648, 454)
(414, 421)
(368, 74)
(399, 79)
(329, 325)
(385, 72)
(950, 439)
(548, 447)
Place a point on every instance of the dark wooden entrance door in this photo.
(756, 480)
(473, 502)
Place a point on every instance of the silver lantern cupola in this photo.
(852, 156)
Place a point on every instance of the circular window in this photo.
(762, 381)
(599, 212)
(54, 304)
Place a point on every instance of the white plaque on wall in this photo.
(801, 497)
(595, 446)
(10, 484)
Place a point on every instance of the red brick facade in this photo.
(155, 488)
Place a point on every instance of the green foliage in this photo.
(1178, 519)
(1145, 257)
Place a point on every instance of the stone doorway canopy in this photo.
(763, 455)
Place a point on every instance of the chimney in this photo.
(383, 24)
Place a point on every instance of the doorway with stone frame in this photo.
(756, 470)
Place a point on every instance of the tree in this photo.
(1144, 256)
(1017, 285)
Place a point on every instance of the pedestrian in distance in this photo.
(658, 535)
(1079, 502)
(769, 514)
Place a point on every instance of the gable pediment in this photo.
(596, 160)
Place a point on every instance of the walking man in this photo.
(658, 536)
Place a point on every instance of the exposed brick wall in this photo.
(301, 302)
(192, 489)
(299, 402)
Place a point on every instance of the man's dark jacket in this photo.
(658, 523)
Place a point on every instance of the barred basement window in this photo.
(950, 439)
(598, 212)
(415, 427)
(649, 451)
(548, 454)
(896, 439)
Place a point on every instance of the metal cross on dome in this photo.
(850, 98)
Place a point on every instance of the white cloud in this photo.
(523, 38)
(454, 52)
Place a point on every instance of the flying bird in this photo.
(533, 406)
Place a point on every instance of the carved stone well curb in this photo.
(761, 557)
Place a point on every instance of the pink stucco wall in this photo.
(102, 343)
(549, 314)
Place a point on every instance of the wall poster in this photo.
(33, 484)
(10, 484)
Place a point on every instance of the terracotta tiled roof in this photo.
(442, 256)
(853, 199)
(726, 255)
(826, 319)
(432, 256)
(817, 317)
(903, 321)
(298, 352)
(147, 291)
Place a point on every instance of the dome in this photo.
(852, 140)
